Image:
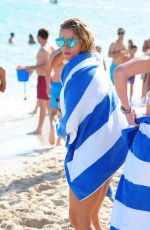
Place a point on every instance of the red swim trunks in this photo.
(41, 88)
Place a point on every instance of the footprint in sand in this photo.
(58, 202)
(42, 187)
(35, 222)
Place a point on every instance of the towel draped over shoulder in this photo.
(92, 121)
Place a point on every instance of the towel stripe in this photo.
(136, 169)
(100, 171)
(137, 147)
(89, 105)
(92, 118)
(131, 197)
(129, 219)
(86, 150)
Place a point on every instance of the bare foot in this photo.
(32, 113)
(36, 132)
(52, 136)
(58, 142)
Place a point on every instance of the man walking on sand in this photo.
(40, 68)
(118, 51)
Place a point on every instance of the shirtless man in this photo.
(12, 38)
(118, 51)
(2, 80)
(40, 67)
(56, 64)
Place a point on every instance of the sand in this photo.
(34, 192)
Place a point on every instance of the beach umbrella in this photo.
(23, 76)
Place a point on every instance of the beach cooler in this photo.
(23, 75)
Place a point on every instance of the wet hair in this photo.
(98, 48)
(121, 30)
(43, 33)
(130, 42)
(133, 47)
(83, 32)
(12, 34)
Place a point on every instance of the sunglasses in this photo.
(121, 33)
(70, 42)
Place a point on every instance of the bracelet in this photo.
(125, 111)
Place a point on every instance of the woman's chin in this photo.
(67, 56)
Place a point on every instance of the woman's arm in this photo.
(121, 75)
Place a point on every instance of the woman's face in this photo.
(69, 53)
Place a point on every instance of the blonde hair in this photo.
(83, 31)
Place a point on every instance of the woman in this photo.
(2, 80)
(132, 204)
(92, 122)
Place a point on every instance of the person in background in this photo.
(2, 80)
(31, 40)
(145, 49)
(55, 65)
(132, 205)
(11, 40)
(99, 57)
(118, 51)
(40, 67)
(130, 44)
(131, 80)
(90, 115)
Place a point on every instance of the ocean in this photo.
(27, 16)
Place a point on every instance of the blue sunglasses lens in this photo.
(71, 42)
(60, 42)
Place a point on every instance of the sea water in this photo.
(27, 16)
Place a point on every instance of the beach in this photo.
(34, 192)
(33, 187)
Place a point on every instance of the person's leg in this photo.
(148, 104)
(95, 215)
(35, 109)
(144, 90)
(84, 214)
(53, 118)
(131, 91)
(42, 105)
(54, 114)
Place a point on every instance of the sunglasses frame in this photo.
(70, 42)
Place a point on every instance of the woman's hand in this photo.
(131, 117)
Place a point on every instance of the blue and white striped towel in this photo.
(92, 122)
(131, 209)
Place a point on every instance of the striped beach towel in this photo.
(131, 209)
(92, 122)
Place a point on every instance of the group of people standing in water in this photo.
(92, 123)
